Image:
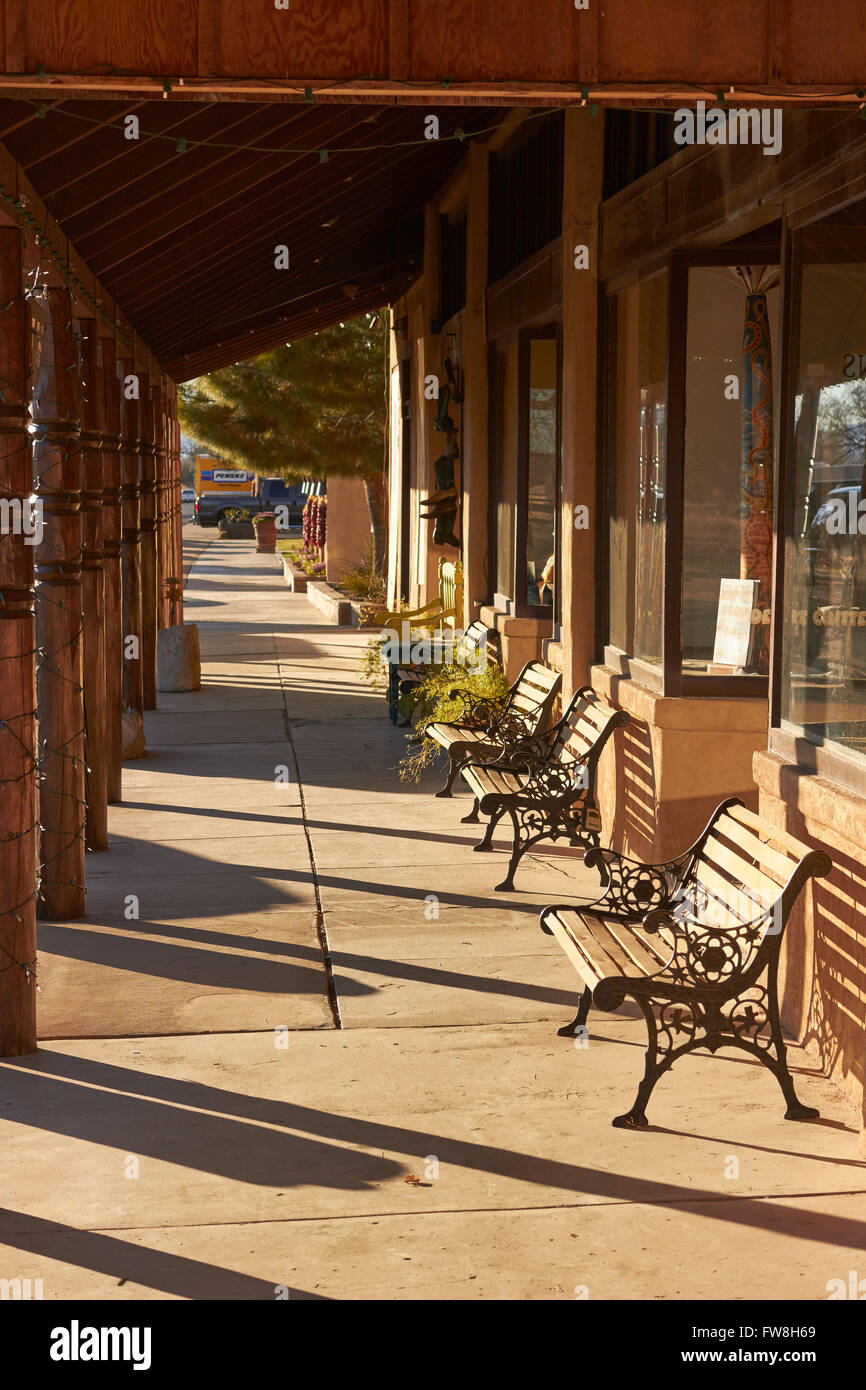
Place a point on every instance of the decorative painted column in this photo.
(149, 575)
(93, 588)
(17, 669)
(57, 475)
(130, 472)
(112, 532)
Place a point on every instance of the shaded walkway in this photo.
(321, 995)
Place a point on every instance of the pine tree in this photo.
(314, 407)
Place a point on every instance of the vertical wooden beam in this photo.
(57, 476)
(583, 165)
(93, 587)
(17, 670)
(147, 458)
(475, 468)
(159, 497)
(130, 467)
(178, 507)
(112, 534)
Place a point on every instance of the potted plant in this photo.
(265, 525)
(237, 524)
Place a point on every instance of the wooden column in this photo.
(130, 470)
(57, 476)
(93, 588)
(477, 564)
(112, 532)
(17, 671)
(162, 502)
(177, 540)
(583, 165)
(147, 457)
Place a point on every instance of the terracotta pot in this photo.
(266, 536)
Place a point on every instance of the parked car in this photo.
(187, 494)
(273, 493)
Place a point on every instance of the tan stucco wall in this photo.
(348, 534)
(823, 974)
(661, 777)
(521, 639)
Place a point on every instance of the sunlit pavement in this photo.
(295, 990)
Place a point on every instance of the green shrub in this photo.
(428, 703)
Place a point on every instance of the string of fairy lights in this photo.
(588, 98)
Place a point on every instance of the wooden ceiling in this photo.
(184, 238)
(109, 44)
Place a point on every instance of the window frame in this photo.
(667, 677)
(846, 769)
(549, 328)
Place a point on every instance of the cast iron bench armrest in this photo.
(478, 710)
(632, 888)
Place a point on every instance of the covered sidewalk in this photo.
(321, 997)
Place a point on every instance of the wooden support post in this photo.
(57, 475)
(178, 506)
(583, 165)
(112, 532)
(149, 575)
(477, 564)
(162, 503)
(17, 669)
(130, 465)
(93, 588)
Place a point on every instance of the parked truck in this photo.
(272, 493)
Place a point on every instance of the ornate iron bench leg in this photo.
(456, 755)
(486, 842)
(472, 818)
(569, 1030)
(520, 846)
(779, 1067)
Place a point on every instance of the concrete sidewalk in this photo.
(321, 996)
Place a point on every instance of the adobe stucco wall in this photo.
(348, 533)
(823, 962)
(662, 776)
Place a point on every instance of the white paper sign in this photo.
(734, 629)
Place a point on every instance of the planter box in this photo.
(296, 579)
(335, 607)
(237, 530)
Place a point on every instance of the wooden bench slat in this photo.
(727, 900)
(647, 953)
(756, 878)
(777, 865)
(796, 848)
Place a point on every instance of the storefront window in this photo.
(731, 336)
(542, 457)
(823, 656)
(638, 476)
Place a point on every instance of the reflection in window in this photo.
(541, 472)
(638, 476)
(728, 469)
(505, 461)
(823, 668)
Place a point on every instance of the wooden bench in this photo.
(439, 617)
(695, 942)
(488, 728)
(548, 785)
